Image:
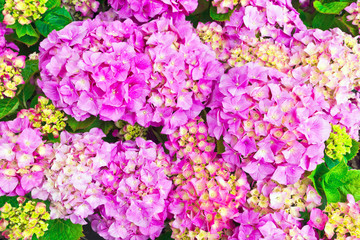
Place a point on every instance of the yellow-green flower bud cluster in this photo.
(129, 132)
(339, 143)
(343, 220)
(293, 199)
(45, 117)
(24, 221)
(23, 11)
(10, 73)
(81, 9)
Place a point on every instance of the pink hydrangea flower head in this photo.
(70, 182)
(260, 117)
(145, 10)
(136, 189)
(23, 157)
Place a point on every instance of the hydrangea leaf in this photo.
(330, 8)
(23, 30)
(323, 21)
(26, 93)
(330, 163)
(316, 177)
(31, 67)
(8, 106)
(27, 39)
(353, 150)
(75, 125)
(50, 4)
(11, 200)
(35, 101)
(60, 229)
(352, 185)
(221, 17)
(2, 3)
(55, 19)
(106, 126)
(220, 145)
(166, 235)
(332, 195)
(335, 177)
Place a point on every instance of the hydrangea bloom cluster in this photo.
(81, 9)
(96, 72)
(24, 221)
(136, 189)
(277, 225)
(339, 143)
(145, 10)
(10, 72)
(268, 19)
(154, 73)
(275, 123)
(206, 196)
(354, 10)
(129, 132)
(23, 11)
(190, 138)
(45, 117)
(70, 181)
(271, 197)
(342, 219)
(223, 6)
(23, 157)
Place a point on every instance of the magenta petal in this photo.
(8, 184)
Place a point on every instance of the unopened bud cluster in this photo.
(24, 221)
(293, 199)
(10, 73)
(129, 132)
(23, 11)
(189, 138)
(81, 9)
(343, 219)
(45, 117)
(339, 143)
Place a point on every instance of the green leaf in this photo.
(23, 30)
(353, 150)
(336, 176)
(8, 106)
(332, 195)
(28, 40)
(35, 100)
(26, 93)
(330, 163)
(165, 236)
(352, 185)
(11, 200)
(221, 17)
(53, 4)
(107, 126)
(75, 125)
(220, 148)
(31, 67)
(317, 175)
(323, 21)
(60, 229)
(330, 8)
(55, 19)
